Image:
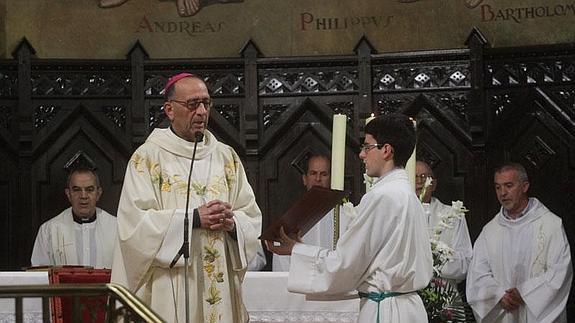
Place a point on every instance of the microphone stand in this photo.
(185, 249)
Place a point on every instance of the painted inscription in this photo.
(191, 28)
(519, 14)
(309, 21)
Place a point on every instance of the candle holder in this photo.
(336, 211)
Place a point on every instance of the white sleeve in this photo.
(174, 239)
(546, 294)
(456, 267)
(40, 254)
(482, 290)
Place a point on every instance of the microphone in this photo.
(185, 250)
(199, 137)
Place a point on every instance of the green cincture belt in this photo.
(378, 297)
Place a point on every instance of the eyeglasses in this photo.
(193, 104)
(367, 147)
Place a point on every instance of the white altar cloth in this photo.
(32, 307)
(267, 300)
(265, 296)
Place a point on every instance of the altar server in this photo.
(385, 254)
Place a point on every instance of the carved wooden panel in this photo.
(533, 129)
(50, 175)
(475, 107)
(304, 128)
(318, 77)
(9, 179)
(547, 68)
(448, 157)
(8, 203)
(89, 80)
(419, 75)
(8, 80)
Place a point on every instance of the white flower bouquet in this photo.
(441, 299)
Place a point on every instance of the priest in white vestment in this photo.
(521, 269)
(456, 237)
(225, 220)
(384, 254)
(82, 234)
(318, 173)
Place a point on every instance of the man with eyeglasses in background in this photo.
(382, 255)
(82, 234)
(225, 220)
(457, 236)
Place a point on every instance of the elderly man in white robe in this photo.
(225, 219)
(456, 237)
(384, 254)
(521, 269)
(82, 234)
(317, 173)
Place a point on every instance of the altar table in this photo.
(268, 300)
(32, 306)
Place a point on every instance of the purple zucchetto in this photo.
(172, 80)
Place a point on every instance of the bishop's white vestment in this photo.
(384, 249)
(530, 253)
(150, 229)
(62, 241)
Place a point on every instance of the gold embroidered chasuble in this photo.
(150, 229)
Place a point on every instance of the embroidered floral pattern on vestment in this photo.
(214, 267)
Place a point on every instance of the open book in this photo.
(305, 212)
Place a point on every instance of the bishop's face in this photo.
(187, 109)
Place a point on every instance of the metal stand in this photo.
(185, 249)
